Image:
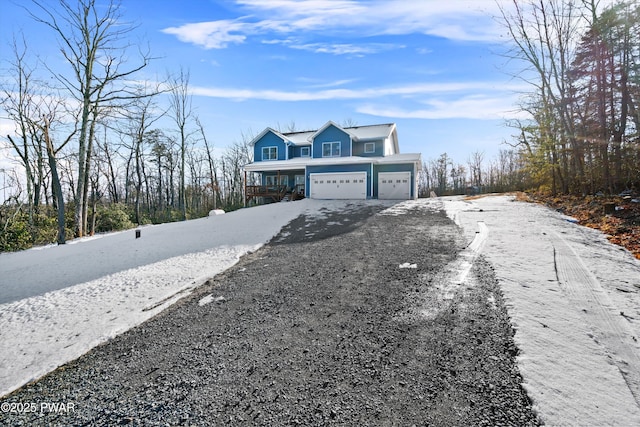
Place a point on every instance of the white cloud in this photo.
(469, 107)
(210, 35)
(405, 91)
(347, 48)
(469, 20)
(318, 84)
(7, 127)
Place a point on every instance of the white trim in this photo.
(371, 181)
(266, 131)
(326, 125)
(302, 162)
(415, 182)
(371, 144)
(269, 148)
(331, 149)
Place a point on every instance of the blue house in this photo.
(333, 162)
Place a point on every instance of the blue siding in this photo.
(296, 151)
(332, 134)
(269, 140)
(338, 168)
(358, 149)
(402, 167)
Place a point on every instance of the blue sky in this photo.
(433, 67)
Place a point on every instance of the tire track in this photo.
(454, 274)
(588, 296)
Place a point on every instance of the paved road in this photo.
(38, 271)
(320, 327)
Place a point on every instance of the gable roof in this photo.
(300, 138)
(372, 131)
(357, 133)
(266, 131)
(328, 124)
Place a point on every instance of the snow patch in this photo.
(408, 265)
(209, 299)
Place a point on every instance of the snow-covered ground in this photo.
(64, 300)
(572, 296)
(573, 301)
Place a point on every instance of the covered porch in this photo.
(274, 186)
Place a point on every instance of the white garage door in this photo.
(343, 185)
(394, 185)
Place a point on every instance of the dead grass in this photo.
(519, 195)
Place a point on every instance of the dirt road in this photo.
(353, 318)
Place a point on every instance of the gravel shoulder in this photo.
(319, 327)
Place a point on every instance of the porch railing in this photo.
(275, 192)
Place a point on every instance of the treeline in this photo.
(443, 176)
(96, 149)
(99, 151)
(583, 67)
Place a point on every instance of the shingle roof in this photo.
(360, 132)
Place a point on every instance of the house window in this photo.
(271, 180)
(270, 153)
(331, 149)
(369, 147)
(304, 152)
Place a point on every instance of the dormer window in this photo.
(270, 153)
(304, 152)
(331, 149)
(369, 147)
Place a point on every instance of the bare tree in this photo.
(56, 184)
(475, 168)
(140, 117)
(583, 65)
(543, 32)
(213, 174)
(92, 40)
(349, 123)
(20, 101)
(181, 108)
(234, 158)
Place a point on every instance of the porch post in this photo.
(245, 188)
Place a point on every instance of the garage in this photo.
(338, 185)
(394, 185)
